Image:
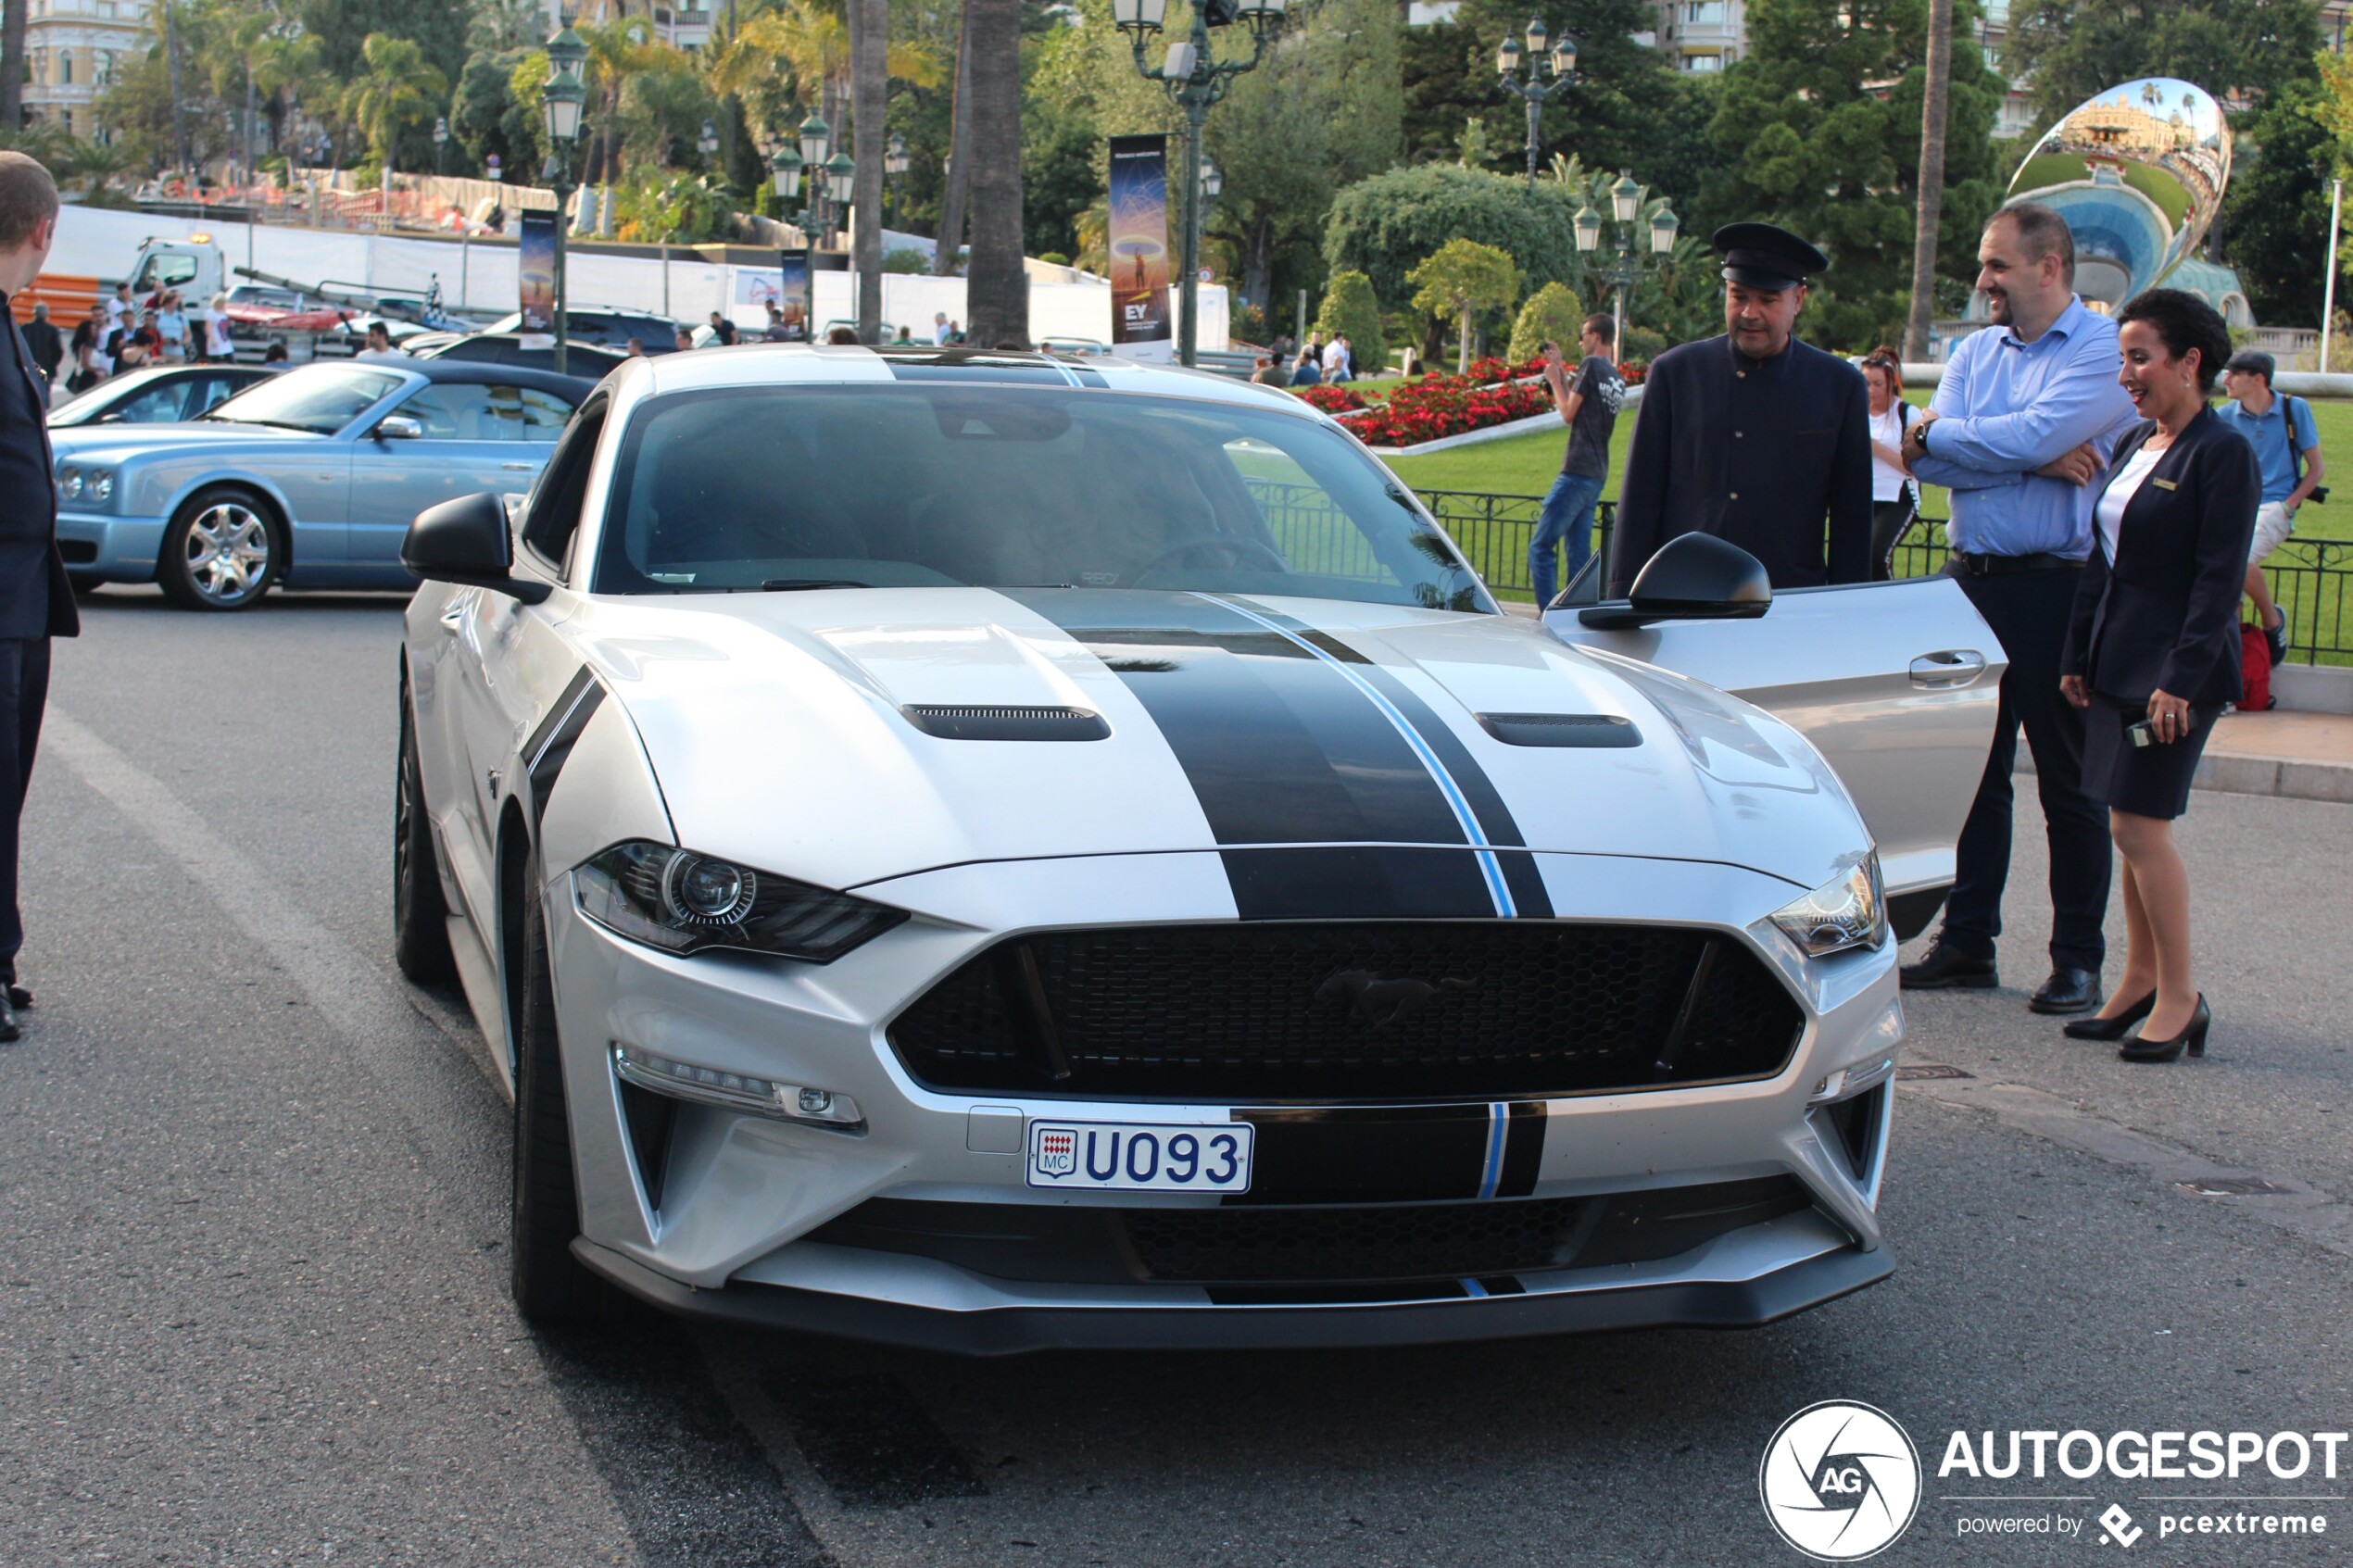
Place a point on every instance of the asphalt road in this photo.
(251, 1230)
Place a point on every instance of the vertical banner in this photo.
(536, 273)
(1139, 314)
(792, 298)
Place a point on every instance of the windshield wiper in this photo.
(794, 585)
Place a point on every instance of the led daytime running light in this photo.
(736, 1091)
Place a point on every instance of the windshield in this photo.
(917, 484)
(318, 399)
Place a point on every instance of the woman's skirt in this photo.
(2148, 781)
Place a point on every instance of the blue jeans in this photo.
(1567, 518)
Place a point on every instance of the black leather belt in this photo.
(1963, 565)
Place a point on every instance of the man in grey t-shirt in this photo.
(1589, 406)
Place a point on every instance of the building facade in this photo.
(70, 48)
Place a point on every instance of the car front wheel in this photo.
(222, 552)
(549, 1285)
(420, 914)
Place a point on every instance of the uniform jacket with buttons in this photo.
(1759, 452)
(2164, 615)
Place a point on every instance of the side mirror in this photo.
(399, 427)
(1694, 577)
(467, 541)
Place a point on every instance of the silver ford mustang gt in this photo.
(994, 852)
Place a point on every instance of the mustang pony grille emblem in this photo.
(1377, 1000)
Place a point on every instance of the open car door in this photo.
(1896, 684)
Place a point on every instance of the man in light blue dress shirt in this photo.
(2021, 425)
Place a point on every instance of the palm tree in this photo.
(960, 158)
(12, 16)
(998, 290)
(1931, 177)
(400, 88)
(870, 88)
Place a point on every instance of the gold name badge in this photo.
(2164, 484)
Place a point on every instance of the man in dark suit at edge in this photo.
(1753, 436)
(36, 602)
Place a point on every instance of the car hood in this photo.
(789, 730)
(112, 443)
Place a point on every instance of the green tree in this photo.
(2074, 49)
(488, 120)
(1823, 145)
(400, 88)
(343, 28)
(1461, 278)
(1351, 312)
(1382, 226)
(1551, 315)
(2275, 216)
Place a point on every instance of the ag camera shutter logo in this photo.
(1840, 1481)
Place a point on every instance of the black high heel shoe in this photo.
(2191, 1038)
(2111, 1029)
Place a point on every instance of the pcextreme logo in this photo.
(1840, 1481)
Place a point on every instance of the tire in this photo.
(549, 1285)
(420, 914)
(222, 552)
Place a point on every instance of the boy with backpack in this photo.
(2287, 450)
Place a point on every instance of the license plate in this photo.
(1140, 1155)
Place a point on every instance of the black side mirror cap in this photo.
(467, 542)
(1694, 577)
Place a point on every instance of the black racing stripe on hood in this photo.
(1358, 882)
(1486, 801)
(551, 744)
(1278, 748)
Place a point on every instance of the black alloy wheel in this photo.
(549, 1285)
(420, 914)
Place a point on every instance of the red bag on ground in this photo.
(2255, 671)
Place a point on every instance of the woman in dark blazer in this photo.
(2153, 648)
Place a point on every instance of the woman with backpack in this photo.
(1895, 495)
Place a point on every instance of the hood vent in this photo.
(1583, 730)
(998, 722)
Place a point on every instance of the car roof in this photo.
(474, 373)
(761, 364)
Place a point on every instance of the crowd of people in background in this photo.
(123, 333)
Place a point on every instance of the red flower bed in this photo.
(1439, 406)
(1339, 399)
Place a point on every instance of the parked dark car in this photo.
(585, 359)
(159, 394)
(608, 329)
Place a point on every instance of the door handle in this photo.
(524, 467)
(453, 620)
(1948, 669)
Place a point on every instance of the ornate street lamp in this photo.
(1194, 78)
(783, 170)
(708, 143)
(895, 161)
(561, 101)
(1626, 201)
(441, 143)
(1548, 72)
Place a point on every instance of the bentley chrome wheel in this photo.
(227, 555)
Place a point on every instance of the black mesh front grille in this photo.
(1388, 1242)
(1268, 1012)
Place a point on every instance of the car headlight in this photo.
(1849, 910)
(69, 484)
(683, 903)
(98, 485)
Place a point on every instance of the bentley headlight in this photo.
(98, 485)
(69, 484)
(1847, 911)
(683, 903)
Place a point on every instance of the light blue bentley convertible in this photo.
(308, 479)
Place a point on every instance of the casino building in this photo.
(71, 47)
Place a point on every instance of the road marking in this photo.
(2297, 1206)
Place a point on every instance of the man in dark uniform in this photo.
(36, 602)
(1753, 436)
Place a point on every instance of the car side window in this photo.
(209, 393)
(157, 405)
(553, 520)
(485, 411)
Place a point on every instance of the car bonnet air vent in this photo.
(1584, 730)
(994, 721)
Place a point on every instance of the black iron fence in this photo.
(2308, 577)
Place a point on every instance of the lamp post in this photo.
(561, 101)
(441, 145)
(1625, 200)
(708, 143)
(1194, 78)
(1549, 71)
(895, 162)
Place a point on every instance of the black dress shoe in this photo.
(2110, 1029)
(9, 1028)
(1946, 966)
(2191, 1038)
(18, 997)
(2068, 990)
